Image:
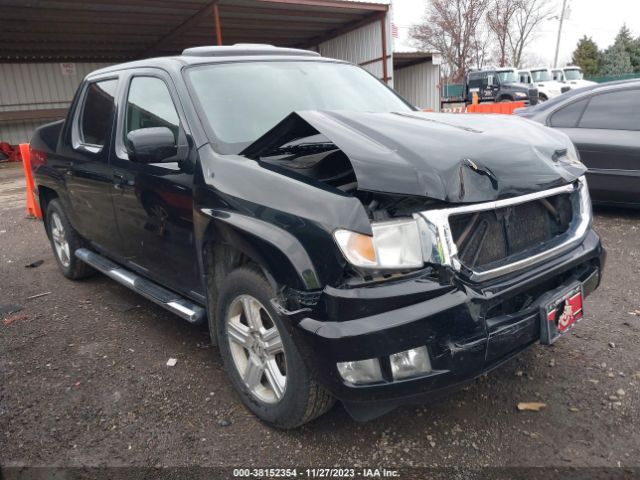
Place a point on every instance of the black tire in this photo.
(71, 267)
(542, 97)
(303, 399)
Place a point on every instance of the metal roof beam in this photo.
(190, 22)
(379, 7)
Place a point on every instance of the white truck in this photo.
(572, 76)
(548, 88)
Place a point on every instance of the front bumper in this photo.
(468, 328)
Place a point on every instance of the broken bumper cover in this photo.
(467, 328)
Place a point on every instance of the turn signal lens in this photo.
(359, 248)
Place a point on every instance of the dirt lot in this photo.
(85, 381)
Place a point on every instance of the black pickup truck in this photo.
(339, 242)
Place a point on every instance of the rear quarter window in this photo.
(98, 109)
(569, 116)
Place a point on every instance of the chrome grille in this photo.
(517, 246)
(483, 238)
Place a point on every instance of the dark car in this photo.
(339, 243)
(603, 121)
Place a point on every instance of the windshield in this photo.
(541, 75)
(242, 101)
(573, 74)
(508, 76)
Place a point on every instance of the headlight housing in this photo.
(394, 245)
(520, 94)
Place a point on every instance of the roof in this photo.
(408, 59)
(121, 30)
(214, 53)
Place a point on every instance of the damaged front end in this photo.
(437, 189)
(463, 225)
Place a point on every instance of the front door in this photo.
(154, 202)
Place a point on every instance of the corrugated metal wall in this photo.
(419, 85)
(362, 45)
(37, 86)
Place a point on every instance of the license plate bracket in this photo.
(560, 312)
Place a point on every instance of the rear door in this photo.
(86, 169)
(154, 202)
(606, 131)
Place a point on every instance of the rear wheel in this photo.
(260, 356)
(64, 242)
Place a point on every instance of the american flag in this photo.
(394, 30)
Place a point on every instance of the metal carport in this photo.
(48, 46)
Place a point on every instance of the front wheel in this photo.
(260, 356)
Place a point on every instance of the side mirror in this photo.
(151, 145)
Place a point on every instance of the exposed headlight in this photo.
(359, 372)
(394, 245)
(520, 94)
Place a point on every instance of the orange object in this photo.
(33, 207)
(474, 98)
(505, 108)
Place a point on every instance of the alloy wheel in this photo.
(60, 243)
(257, 349)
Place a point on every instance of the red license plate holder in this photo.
(561, 313)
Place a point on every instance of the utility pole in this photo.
(555, 59)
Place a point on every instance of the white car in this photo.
(572, 76)
(547, 87)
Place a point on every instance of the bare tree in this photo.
(481, 44)
(526, 19)
(450, 27)
(499, 16)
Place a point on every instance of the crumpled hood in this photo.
(451, 157)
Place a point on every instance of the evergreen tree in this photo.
(586, 56)
(631, 46)
(616, 60)
(634, 53)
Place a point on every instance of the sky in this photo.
(596, 18)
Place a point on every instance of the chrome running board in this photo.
(173, 302)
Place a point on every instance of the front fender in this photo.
(275, 249)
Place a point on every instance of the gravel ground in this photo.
(85, 381)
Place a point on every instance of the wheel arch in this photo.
(45, 196)
(504, 97)
(232, 240)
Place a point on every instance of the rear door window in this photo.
(613, 111)
(98, 111)
(568, 117)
